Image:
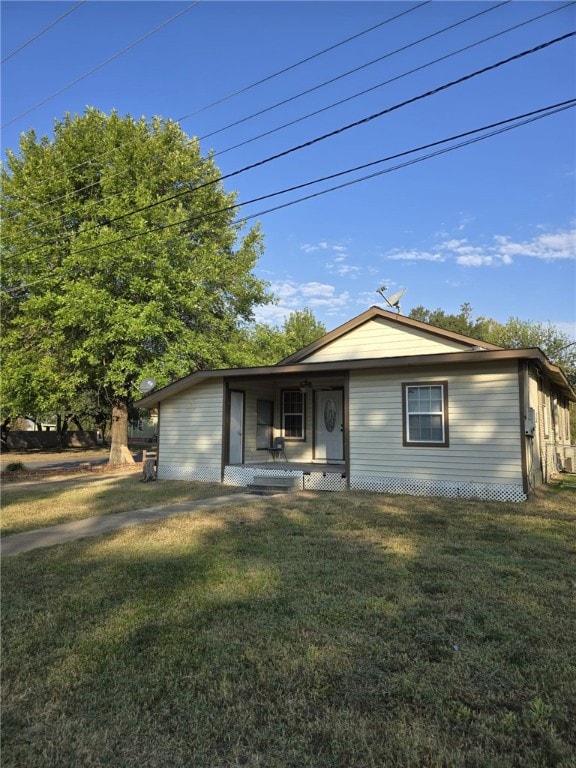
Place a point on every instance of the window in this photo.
(293, 414)
(425, 414)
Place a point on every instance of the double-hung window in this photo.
(425, 414)
(293, 420)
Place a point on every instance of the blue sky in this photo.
(492, 224)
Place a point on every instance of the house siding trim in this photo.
(191, 435)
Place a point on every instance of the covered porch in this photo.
(305, 416)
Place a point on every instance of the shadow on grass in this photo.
(310, 632)
(27, 508)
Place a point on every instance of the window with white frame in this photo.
(425, 414)
(293, 420)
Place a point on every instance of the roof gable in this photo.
(379, 333)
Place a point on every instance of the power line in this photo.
(39, 34)
(404, 165)
(302, 61)
(338, 131)
(391, 80)
(352, 71)
(276, 74)
(102, 64)
(274, 130)
(349, 126)
(471, 137)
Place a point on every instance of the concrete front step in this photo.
(266, 484)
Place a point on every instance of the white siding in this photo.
(190, 436)
(376, 338)
(484, 427)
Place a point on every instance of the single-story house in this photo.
(382, 403)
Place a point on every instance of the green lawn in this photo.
(314, 631)
(26, 507)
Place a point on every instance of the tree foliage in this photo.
(265, 344)
(95, 299)
(513, 334)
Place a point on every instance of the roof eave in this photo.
(407, 362)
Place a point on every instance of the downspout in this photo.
(346, 406)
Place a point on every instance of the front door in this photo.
(236, 427)
(329, 426)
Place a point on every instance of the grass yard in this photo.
(313, 631)
(26, 507)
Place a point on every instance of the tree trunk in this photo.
(119, 452)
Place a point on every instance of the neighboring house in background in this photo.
(382, 403)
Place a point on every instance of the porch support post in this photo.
(347, 427)
(225, 428)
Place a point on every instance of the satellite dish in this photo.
(147, 386)
(394, 300)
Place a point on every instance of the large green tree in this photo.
(265, 344)
(512, 334)
(95, 296)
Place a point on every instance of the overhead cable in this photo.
(338, 131)
(352, 71)
(42, 31)
(302, 118)
(286, 69)
(102, 64)
(404, 165)
(493, 129)
(302, 61)
(349, 126)
(391, 80)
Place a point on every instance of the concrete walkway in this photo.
(94, 526)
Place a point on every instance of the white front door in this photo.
(236, 427)
(329, 426)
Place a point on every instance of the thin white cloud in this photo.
(452, 245)
(323, 245)
(271, 314)
(475, 260)
(292, 295)
(559, 245)
(503, 250)
(414, 256)
(340, 267)
(338, 264)
(465, 219)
